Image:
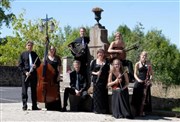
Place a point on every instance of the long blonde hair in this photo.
(112, 69)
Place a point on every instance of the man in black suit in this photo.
(84, 55)
(78, 85)
(28, 63)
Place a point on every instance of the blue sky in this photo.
(160, 14)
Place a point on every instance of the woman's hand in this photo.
(98, 73)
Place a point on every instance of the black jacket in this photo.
(24, 61)
(82, 80)
(85, 55)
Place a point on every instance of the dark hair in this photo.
(82, 28)
(100, 50)
(29, 42)
(52, 47)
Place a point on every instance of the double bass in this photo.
(47, 89)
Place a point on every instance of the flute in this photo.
(31, 70)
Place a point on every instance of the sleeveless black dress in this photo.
(100, 91)
(138, 90)
(120, 101)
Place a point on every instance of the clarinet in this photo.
(100, 71)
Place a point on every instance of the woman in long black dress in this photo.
(120, 96)
(55, 62)
(141, 99)
(100, 69)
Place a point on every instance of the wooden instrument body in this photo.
(122, 56)
(47, 88)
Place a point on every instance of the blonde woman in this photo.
(141, 99)
(119, 81)
(116, 50)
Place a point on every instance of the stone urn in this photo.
(97, 12)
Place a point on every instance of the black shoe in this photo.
(35, 108)
(24, 108)
(130, 117)
(63, 109)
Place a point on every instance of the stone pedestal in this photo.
(98, 39)
(67, 68)
(79, 104)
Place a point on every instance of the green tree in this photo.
(164, 56)
(24, 31)
(5, 15)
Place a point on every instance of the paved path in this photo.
(10, 110)
(13, 112)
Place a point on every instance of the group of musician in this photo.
(104, 73)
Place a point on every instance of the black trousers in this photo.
(66, 94)
(32, 81)
(130, 69)
(72, 91)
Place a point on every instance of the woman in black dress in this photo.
(100, 69)
(120, 96)
(55, 62)
(141, 99)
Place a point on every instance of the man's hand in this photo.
(78, 55)
(28, 74)
(78, 93)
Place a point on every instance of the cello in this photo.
(47, 89)
(123, 55)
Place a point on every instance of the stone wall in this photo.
(10, 76)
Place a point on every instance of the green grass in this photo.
(177, 109)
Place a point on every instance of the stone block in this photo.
(79, 104)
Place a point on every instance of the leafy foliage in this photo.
(165, 57)
(5, 14)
